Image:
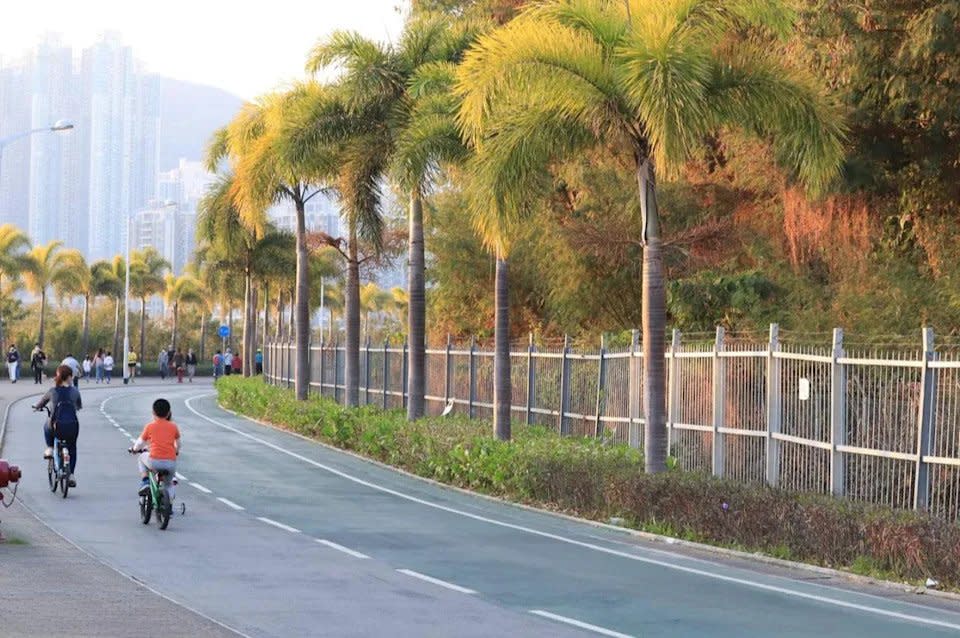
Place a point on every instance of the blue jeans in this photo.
(70, 444)
(99, 374)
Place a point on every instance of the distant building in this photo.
(322, 214)
(169, 229)
(15, 168)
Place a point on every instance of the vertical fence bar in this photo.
(531, 381)
(386, 369)
(336, 369)
(719, 401)
(925, 423)
(366, 374)
(634, 393)
(322, 346)
(309, 367)
(838, 430)
(601, 387)
(403, 375)
(564, 387)
(472, 382)
(773, 407)
(673, 390)
(448, 378)
(290, 372)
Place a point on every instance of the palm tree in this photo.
(376, 82)
(179, 290)
(269, 166)
(51, 269)
(79, 281)
(103, 283)
(400, 301)
(373, 299)
(147, 268)
(14, 261)
(648, 80)
(118, 272)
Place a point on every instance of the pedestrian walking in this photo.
(178, 364)
(163, 361)
(98, 365)
(13, 362)
(258, 361)
(132, 364)
(87, 368)
(191, 365)
(74, 365)
(217, 365)
(228, 362)
(108, 366)
(38, 359)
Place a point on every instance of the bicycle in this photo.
(157, 499)
(58, 474)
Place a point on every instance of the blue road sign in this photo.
(224, 332)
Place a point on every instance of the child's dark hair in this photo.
(161, 408)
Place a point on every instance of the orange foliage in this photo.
(833, 229)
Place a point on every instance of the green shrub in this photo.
(589, 478)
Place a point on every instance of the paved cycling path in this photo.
(284, 537)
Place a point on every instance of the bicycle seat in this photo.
(163, 474)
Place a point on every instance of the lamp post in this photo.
(59, 127)
(126, 300)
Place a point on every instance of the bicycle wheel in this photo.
(146, 508)
(52, 474)
(164, 509)
(65, 474)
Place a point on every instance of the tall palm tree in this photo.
(103, 283)
(118, 272)
(373, 299)
(375, 82)
(648, 80)
(51, 270)
(147, 268)
(14, 261)
(269, 167)
(78, 282)
(185, 289)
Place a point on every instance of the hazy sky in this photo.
(244, 46)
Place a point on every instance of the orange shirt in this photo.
(160, 435)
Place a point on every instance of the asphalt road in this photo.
(284, 537)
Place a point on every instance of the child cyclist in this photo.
(162, 436)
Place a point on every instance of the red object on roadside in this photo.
(8, 473)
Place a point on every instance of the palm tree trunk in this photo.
(352, 295)
(143, 328)
(502, 390)
(86, 323)
(302, 321)
(203, 334)
(279, 328)
(416, 311)
(230, 325)
(116, 327)
(266, 313)
(43, 315)
(247, 324)
(654, 325)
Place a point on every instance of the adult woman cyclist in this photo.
(63, 422)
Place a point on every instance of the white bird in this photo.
(447, 410)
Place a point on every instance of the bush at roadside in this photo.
(588, 478)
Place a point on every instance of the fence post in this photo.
(673, 389)
(336, 369)
(719, 403)
(448, 377)
(386, 369)
(473, 377)
(366, 374)
(564, 387)
(403, 374)
(773, 406)
(634, 393)
(838, 429)
(601, 386)
(290, 372)
(309, 366)
(322, 345)
(531, 381)
(925, 423)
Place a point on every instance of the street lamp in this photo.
(126, 300)
(60, 126)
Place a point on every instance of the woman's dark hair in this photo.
(161, 408)
(63, 375)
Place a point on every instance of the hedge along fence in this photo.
(586, 477)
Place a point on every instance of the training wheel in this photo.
(183, 508)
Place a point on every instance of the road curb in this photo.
(898, 587)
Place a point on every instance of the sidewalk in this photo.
(51, 587)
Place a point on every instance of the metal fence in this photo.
(874, 425)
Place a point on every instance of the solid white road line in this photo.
(270, 521)
(341, 548)
(180, 476)
(436, 581)
(229, 503)
(200, 487)
(606, 550)
(580, 624)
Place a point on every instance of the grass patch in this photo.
(589, 479)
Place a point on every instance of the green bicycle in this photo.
(158, 498)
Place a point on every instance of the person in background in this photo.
(87, 367)
(163, 361)
(217, 365)
(13, 362)
(237, 366)
(132, 364)
(178, 365)
(98, 365)
(38, 359)
(108, 366)
(74, 365)
(191, 365)
(228, 362)
(258, 361)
